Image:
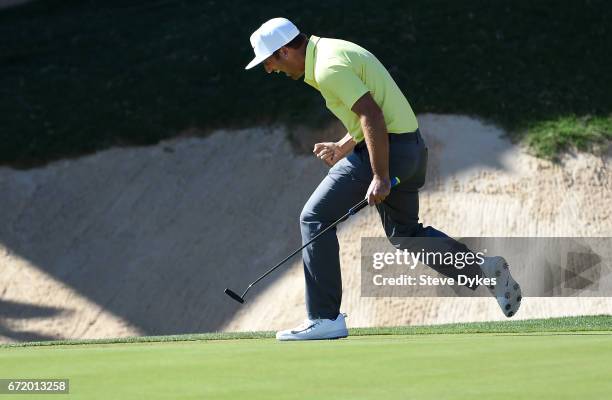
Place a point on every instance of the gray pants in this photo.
(345, 184)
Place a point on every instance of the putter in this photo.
(353, 210)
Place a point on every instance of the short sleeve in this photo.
(342, 82)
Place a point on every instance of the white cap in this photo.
(271, 36)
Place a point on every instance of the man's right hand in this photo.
(329, 152)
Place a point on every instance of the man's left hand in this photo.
(379, 190)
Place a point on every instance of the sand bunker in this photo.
(144, 240)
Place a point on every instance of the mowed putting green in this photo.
(573, 361)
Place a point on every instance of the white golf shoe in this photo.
(506, 290)
(317, 329)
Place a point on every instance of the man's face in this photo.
(287, 61)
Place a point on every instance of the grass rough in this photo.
(592, 323)
(79, 76)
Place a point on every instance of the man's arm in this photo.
(346, 144)
(375, 132)
(332, 152)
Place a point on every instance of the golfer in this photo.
(383, 140)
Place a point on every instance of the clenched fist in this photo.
(329, 152)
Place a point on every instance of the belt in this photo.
(396, 138)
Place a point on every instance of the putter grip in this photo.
(394, 182)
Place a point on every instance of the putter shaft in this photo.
(352, 211)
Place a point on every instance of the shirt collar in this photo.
(309, 62)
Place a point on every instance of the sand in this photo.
(133, 241)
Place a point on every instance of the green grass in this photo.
(584, 133)
(551, 325)
(567, 364)
(78, 76)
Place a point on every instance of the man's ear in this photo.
(284, 52)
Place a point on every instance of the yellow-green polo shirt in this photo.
(343, 72)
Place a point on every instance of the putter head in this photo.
(234, 296)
